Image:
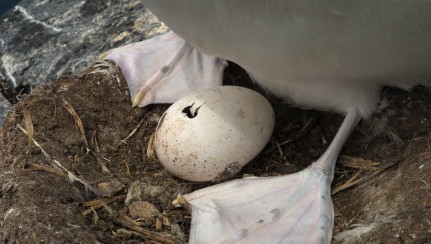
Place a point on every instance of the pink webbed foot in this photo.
(284, 209)
(165, 68)
(293, 208)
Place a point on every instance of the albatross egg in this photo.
(212, 134)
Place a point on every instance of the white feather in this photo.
(330, 55)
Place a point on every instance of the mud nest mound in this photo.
(89, 152)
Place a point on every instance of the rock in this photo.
(143, 191)
(4, 108)
(43, 40)
(143, 210)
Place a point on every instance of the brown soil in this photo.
(42, 199)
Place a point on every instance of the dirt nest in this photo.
(92, 154)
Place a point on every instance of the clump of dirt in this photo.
(92, 155)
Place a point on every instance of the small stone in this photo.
(178, 232)
(158, 224)
(141, 191)
(143, 210)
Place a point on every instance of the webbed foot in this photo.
(165, 68)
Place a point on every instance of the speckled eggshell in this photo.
(212, 134)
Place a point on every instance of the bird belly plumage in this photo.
(324, 55)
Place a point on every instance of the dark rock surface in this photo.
(43, 39)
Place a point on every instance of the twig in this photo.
(29, 127)
(101, 163)
(78, 121)
(375, 173)
(358, 163)
(99, 203)
(47, 169)
(72, 177)
(100, 66)
(279, 148)
(94, 141)
(150, 148)
(133, 225)
(127, 168)
(95, 215)
(348, 184)
(129, 233)
(35, 142)
(183, 203)
(124, 141)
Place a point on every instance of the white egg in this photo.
(212, 134)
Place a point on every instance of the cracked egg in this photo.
(210, 135)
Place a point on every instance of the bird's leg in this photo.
(329, 157)
(165, 68)
(294, 208)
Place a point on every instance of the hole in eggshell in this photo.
(191, 111)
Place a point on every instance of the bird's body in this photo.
(324, 54)
(330, 55)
